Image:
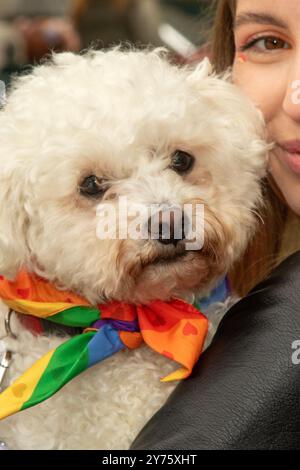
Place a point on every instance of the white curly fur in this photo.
(119, 115)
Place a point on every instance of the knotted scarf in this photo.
(174, 329)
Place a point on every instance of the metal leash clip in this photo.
(7, 324)
(5, 354)
(5, 360)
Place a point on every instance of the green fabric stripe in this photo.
(82, 316)
(68, 360)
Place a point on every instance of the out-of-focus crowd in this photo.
(31, 29)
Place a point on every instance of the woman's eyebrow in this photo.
(258, 18)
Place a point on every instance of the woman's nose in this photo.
(291, 103)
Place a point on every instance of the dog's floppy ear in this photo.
(14, 221)
(203, 70)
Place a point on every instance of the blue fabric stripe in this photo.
(105, 343)
(218, 294)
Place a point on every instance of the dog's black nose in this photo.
(167, 226)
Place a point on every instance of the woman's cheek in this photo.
(288, 184)
(259, 85)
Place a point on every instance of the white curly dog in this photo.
(81, 129)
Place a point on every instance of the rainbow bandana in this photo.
(174, 329)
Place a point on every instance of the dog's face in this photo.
(84, 130)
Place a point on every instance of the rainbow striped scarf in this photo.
(174, 329)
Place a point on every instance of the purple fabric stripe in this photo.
(118, 325)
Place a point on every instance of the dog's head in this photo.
(82, 131)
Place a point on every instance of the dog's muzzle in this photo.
(168, 226)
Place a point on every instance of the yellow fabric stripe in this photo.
(14, 397)
(178, 374)
(38, 309)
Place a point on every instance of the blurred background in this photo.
(31, 29)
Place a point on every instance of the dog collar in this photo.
(174, 329)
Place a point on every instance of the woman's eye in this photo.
(266, 43)
(181, 161)
(92, 186)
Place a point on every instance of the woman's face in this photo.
(267, 68)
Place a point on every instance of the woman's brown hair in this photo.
(278, 231)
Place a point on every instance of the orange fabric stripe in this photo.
(131, 340)
(32, 287)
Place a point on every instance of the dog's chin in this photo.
(166, 258)
(181, 275)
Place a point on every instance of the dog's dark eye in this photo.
(92, 186)
(182, 162)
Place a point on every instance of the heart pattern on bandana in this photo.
(18, 390)
(189, 329)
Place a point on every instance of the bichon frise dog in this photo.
(82, 130)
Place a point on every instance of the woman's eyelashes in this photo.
(265, 44)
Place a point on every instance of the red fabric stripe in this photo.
(32, 324)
